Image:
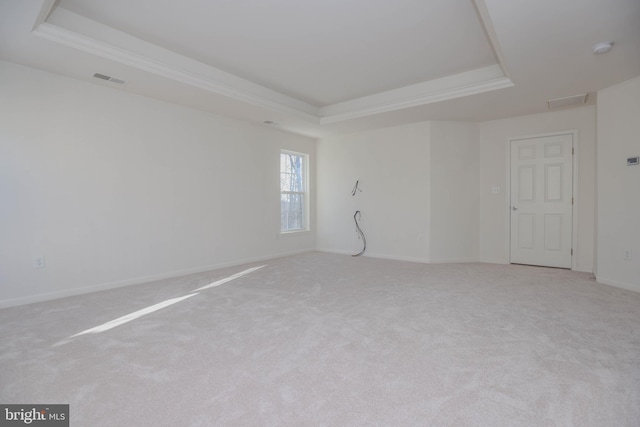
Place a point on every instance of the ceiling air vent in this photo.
(109, 78)
(567, 102)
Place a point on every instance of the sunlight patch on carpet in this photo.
(137, 314)
(230, 278)
(132, 316)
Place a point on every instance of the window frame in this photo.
(304, 193)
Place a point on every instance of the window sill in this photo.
(295, 232)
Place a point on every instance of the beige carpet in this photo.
(330, 340)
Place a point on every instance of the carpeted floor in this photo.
(329, 340)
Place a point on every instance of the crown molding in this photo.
(81, 33)
(455, 86)
(45, 10)
(70, 29)
(490, 32)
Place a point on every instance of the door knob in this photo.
(514, 208)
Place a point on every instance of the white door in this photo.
(542, 201)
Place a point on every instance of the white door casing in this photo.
(541, 201)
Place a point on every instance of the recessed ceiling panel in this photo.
(358, 64)
(321, 52)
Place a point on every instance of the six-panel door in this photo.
(541, 201)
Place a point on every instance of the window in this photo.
(293, 191)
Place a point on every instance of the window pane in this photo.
(293, 190)
(291, 173)
(292, 211)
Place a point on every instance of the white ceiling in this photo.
(321, 67)
(321, 52)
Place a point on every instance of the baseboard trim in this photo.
(375, 255)
(494, 261)
(138, 280)
(617, 284)
(334, 251)
(403, 258)
(397, 258)
(453, 260)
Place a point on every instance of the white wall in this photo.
(619, 185)
(115, 188)
(454, 192)
(446, 171)
(392, 165)
(443, 173)
(494, 213)
(420, 195)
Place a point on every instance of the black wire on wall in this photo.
(356, 217)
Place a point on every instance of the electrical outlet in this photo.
(38, 262)
(627, 254)
(495, 190)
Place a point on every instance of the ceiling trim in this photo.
(43, 13)
(450, 87)
(70, 29)
(487, 25)
(168, 64)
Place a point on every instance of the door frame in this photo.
(574, 190)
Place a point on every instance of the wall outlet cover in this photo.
(39, 262)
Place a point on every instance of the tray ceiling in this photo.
(332, 66)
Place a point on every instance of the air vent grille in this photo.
(109, 78)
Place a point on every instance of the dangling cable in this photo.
(356, 216)
(355, 189)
